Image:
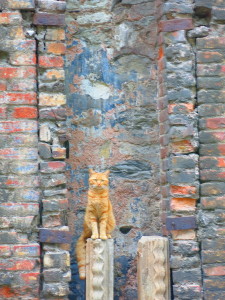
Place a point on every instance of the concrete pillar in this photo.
(153, 268)
(99, 269)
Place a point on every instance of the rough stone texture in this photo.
(111, 89)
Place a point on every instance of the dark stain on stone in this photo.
(132, 169)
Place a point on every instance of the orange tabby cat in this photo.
(99, 220)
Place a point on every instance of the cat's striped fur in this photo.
(99, 220)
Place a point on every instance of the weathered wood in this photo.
(54, 236)
(99, 269)
(153, 268)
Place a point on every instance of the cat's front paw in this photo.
(94, 237)
(103, 237)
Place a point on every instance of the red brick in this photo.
(19, 98)
(51, 62)
(183, 190)
(25, 112)
(181, 108)
(176, 24)
(30, 278)
(184, 146)
(3, 111)
(18, 181)
(18, 264)
(161, 52)
(183, 204)
(7, 292)
(56, 48)
(215, 123)
(18, 126)
(24, 72)
(3, 86)
(214, 271)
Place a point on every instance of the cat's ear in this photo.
(91, 171)
(107, 173)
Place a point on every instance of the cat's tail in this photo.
(81, 255)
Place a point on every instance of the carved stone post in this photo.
(153, 268)
(99, 269)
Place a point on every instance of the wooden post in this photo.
(153, 268)
(99, 269)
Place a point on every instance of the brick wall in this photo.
(32, 167)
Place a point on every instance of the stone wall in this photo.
(111, 94)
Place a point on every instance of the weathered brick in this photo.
(18, 181)
(212, 175)
(13, 237)
(52, 5)
(8, 292)
(55, 205)
(31, 250)
(18, 126)
(52, 167)
(184, 146)
(19, 98)
(13, 209)
(213, 295)
(214, 270)
(31, 279)
(23, 167)
(183, 190)
(181, 108)
(53, 180)
(209, 57)
(212, 162)
(49, 19)
(3, 86)
(18, 153)
(214, 83)
(210, 70)
(22, 86)
(57, 260)
(186, 248)
(179, 261)
(183, 204)
(56, 48)
(23, 59)
(53, 74)
(55, 289)
(213, 256)
(211, 96)
(184, 161)
(217, 284)
(5, 251)
(211, 43)
(13, 72)
(3, 112)
(206, 137)
(213, 202)
(182, 177)
(213, 245)
(58, 153)
(12, 18)
(56, 275)
(18, 4)
(187, 291)
(206, 110)
(24, 113)
(52, 99)
(185, 276)
(188, 234)
(50, 193)
(218, 14)
(212, 150)
(55, 34)
(52, 220)
(50, 61)
(18, 264)
(176, 24)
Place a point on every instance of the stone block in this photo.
(45, 133)
(51, 5)
(176, 24)
(44, 150)
(52, 167)
(49, 19)
(57, 260)
(153, 268)
(55, 289)
(52, 99)
(18, 4)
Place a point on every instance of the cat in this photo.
(99, 220)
